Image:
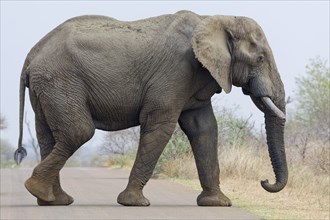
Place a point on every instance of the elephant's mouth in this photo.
(246, 89)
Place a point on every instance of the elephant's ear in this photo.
(210, 45)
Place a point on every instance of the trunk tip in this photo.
(272, 188)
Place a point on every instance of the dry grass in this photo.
(305, 197)
(181, 168)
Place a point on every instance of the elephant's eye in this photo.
(260, 59)
(253, 45)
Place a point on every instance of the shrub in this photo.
(234, 131)
(308, 132)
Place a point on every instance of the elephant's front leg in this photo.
(201, 128)
(156, 130)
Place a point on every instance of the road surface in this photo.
(95, 192)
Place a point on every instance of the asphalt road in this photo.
(95, 192)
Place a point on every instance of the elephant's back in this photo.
(112, 32)
(91, 34)
(101, 38)
(95, 26)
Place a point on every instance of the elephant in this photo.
(96, 72)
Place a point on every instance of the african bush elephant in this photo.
(95, 72)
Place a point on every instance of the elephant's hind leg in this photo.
(46, 142)
(44, 182)
(61, 197)
(45, 175)
(71, 126)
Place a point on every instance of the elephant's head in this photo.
(236, 52)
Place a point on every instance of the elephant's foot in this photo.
(131, 197)
(40, 189)
(61, 198)
(213, 198)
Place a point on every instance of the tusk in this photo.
(272, 107)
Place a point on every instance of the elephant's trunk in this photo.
(275, 141)
(275, 121)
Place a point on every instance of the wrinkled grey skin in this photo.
(94, 72)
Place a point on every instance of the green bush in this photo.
(313, 94)
(308, 130)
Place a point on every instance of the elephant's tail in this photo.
(20, 153)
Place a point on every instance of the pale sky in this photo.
(296, 32)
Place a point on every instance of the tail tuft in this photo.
(19, 155)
